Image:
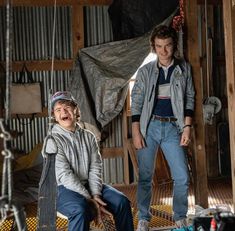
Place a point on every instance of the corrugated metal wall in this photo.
(98, 30)
(32, 40)
(32, 33)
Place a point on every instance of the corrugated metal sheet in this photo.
(113, 167)
(32, 40)
(98, 27)
(32, 33)
(98, 30)
(35, 130)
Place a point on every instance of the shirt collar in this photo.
(164, 67)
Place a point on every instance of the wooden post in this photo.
(124, 141)
(200, 176)
(229, 37)
(77, 28)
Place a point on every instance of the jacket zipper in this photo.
(151, 93)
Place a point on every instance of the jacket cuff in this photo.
(189, 113)
(135, 118)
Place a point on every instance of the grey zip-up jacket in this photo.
(78, 160)
(144, 92)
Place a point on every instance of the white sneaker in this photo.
(181, 223)
(143, 225)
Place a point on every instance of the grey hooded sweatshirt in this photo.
(78, 160)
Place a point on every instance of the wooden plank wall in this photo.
(229, 35)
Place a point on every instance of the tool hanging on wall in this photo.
(211, 104)
(8, 204)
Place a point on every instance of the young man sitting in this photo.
(78, 169)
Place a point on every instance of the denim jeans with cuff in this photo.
(166, 136)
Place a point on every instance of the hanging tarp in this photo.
(133, 18)
(101, 76)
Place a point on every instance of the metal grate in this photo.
(31, 220)
(220, 192)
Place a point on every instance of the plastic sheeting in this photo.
(101, 76)
(133, 18)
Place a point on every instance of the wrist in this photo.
(187, 125)
(96, 196)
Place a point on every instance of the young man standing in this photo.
(162, 110)
(81, 194)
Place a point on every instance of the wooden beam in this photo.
(94, 2)
(210, 2)
(200, 173)
(229, 37)
(41, 65)
(58, 2)
(44, 113)
(111, 152)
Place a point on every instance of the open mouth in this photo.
(64, 118)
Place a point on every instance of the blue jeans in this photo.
(165, 135)
(75, 207)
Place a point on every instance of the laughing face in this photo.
(66, 114)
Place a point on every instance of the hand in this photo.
(185, 138)
(101, 210)
(137, 137)
(138, 141)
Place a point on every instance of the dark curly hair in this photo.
(163, 32)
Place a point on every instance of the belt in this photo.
(163, 119)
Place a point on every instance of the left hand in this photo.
(185, 138)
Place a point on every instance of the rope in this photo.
(8, 57)
(5, 135)
(50, 124)
(7, 203)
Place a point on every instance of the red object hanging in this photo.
(178, 20)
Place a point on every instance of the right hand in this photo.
(138, 139)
